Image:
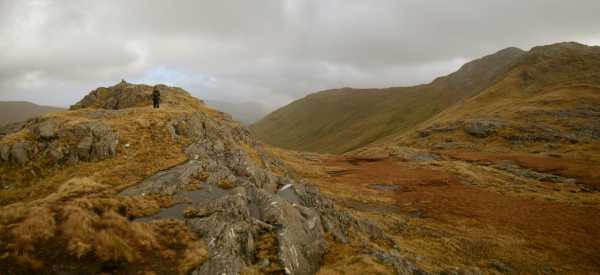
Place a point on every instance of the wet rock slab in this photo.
(187, 200)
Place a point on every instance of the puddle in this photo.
(288, 193)
(383, 186)
(205, 193)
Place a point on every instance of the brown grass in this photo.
(472, 214)
(96, 226)
(150, 150)
(349, 259)
(226, 184)
(73, 216)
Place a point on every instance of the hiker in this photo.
(156, 98)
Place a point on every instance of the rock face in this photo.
(49, 141)
(233, 225)
(295, 214)
(259, 206)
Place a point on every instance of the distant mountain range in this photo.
(14, 111)
(342, 120)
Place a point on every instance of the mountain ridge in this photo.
(345, 119)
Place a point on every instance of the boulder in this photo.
(21, 152)
(95, 140)
(482, 128)
(5, 152)
(84, 148)
(46, 130)
(55, 152)
(105, 141)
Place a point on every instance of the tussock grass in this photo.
(151, 149)
(97, 227)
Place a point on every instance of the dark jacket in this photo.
(156, 95)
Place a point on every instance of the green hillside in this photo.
(337, 121)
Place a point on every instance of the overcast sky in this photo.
(269, 51)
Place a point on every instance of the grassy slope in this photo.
(549, 77)
(340, 120)
(13, 111)
(556, 88)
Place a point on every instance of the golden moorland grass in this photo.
(455, 213)
(84, 218)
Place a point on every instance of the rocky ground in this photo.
(113, 186)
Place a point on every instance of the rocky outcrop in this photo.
(11, 128)
(127, 95)
(234, 224)
(528, 173)
(294, 213)
(257, 206)
(51, 141)
(475, 128)
(482, 128)
(514, 133)
(536, 133)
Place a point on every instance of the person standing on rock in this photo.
(156, 98)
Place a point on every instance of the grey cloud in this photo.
(270, 51)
